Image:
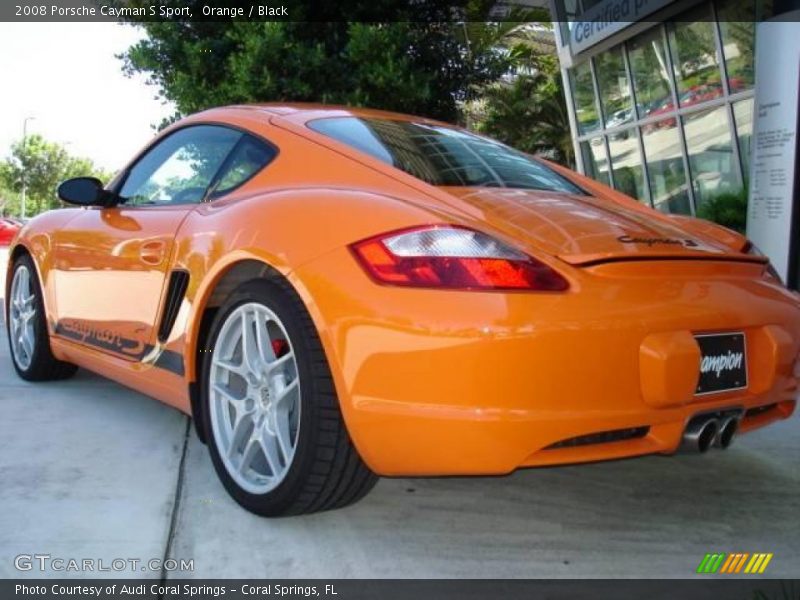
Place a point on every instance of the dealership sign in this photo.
(773, 216)
(607, 18)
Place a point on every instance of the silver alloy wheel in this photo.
(255, 398)
(22, 313)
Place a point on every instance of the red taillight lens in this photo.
(453, 258)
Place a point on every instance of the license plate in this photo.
(723, 363)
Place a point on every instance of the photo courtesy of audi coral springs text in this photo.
(336, 294)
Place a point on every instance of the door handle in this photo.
(152, 253)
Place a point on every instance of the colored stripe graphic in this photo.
(732, 562)
(711, 563)
(701, 568)
(765, 563)
(721, 562)
(741, 563)
(754, 563)
(729, 564)
(758, 563)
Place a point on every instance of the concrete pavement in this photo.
(90, 470)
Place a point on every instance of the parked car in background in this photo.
(8, 229)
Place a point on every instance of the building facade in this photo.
(660, 100)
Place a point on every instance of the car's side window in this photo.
(180, 168)
(249, 157)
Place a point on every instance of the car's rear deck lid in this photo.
(584, 230)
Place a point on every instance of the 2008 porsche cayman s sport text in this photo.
(335, 294)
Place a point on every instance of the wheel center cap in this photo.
(265, 396)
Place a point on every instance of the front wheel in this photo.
(27, 327)
(278, 441)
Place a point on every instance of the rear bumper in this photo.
(445, 383)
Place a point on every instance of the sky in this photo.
(67, 77)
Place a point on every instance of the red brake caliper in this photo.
(280, 347)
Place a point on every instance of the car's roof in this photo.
(302, 112)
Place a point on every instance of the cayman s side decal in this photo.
(102, 337)
(108, 339)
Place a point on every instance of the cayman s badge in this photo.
(651, 241)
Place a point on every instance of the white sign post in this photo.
(774, 209)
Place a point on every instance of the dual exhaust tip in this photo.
(706, 431)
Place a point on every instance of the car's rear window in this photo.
(442, 155)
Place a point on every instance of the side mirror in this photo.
(83, 191)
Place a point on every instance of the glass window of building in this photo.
(662, 149)
(711, 160)
(584, 98)
(743, 116)
(595, 163)
(694, 57)
(648, 57)
(626, 164)
(614, 89)
(738, 30)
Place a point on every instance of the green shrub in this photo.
(728, 209)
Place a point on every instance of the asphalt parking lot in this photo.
(90, 469)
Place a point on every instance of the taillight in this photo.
(453, 258)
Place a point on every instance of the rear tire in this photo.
(26, 325)
(275, 432)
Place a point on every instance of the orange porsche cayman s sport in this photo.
(335, 294)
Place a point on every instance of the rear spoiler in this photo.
(589, 261)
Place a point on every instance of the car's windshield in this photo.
(442, 155)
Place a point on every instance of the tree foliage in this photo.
(529, 114)
(41, 165)
(420, 66)
(527, 109)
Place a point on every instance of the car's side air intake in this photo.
(176, 289)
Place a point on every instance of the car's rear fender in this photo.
(225, 243)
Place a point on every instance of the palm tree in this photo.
(526, 108)
(530, 114)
